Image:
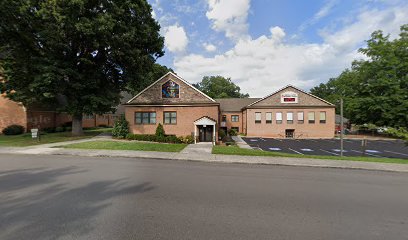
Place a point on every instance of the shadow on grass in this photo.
(36, 204)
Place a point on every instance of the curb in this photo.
(218, 158)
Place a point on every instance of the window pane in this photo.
(166, 120)
(138, 118)
(152, 117)
(268, 116)
(289, 116)
(311, 116)
(278, 116)
(300, 116)
(322, 115)
(258, 116)
(173, 114)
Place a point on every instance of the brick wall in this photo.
(305, 130)
(230, 124)
(185, 119)
(11, 113)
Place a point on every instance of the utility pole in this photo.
(341, 127)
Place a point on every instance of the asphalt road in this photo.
(65, 197)
(331, 147)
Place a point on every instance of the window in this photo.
(234, 118)
(278, 117)
(289, 117)
(258, 117)
(300, 117)
(170, 117)
(311, 117)
(170, 89)
(224, 118)
(268, 117)
(145, 118)
(322, 117)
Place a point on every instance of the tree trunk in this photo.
(77, 125)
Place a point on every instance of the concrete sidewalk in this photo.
(208, 157)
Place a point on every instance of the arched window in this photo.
(170, 89)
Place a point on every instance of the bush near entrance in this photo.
(163, 139)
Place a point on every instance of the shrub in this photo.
(103, 126)
(160, 131)
(232, 132)
(67, 124)
(187, 139)
(120, 128)
(59, 129)
(49, 130)
(68, 129)
(401, 132)
(221, 133)
(154, 138)
(13, 130)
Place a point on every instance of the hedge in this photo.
(163, 139)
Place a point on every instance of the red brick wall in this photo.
(11, 113)
(230, 124)
(41, 119)
(185, 119)
(305, 130)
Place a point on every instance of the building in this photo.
(181, 108)
(184, 110)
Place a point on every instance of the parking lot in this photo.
(331, 147)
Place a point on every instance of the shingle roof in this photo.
(234, 104)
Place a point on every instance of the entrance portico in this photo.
(206, 128)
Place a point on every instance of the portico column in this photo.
(195, 134)
(214, 134)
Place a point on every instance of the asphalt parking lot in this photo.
(331, 147)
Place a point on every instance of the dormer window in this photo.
(170, 89)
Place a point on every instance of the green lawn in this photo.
(135, 146)
(26, 140)
(235, 150)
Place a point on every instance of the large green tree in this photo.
(77, 54)
(375, 90)
(220, 87)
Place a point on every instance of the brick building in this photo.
(181, 108)
(184, 110)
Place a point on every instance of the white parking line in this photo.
(387, 142)
(306, 150)
(328, 140)
(296, 151)
(348, 141)
(403, 154)
(312, 140)
(369, 154)
(275, 149)
(329, 152)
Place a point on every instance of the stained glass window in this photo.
(170, 89)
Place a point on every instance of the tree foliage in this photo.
(219, 87)
(375, 90)
(76, 54)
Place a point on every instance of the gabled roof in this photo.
(174, 75)
(234, 104)
(290, 86)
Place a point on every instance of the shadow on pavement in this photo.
(35, 204)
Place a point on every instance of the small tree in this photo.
(120, 128)
(160, 131)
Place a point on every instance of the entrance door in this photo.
(290, 133)
(205, 133)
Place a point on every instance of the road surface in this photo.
(66, 197)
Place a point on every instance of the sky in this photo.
(264, 45)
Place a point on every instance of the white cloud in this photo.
(262, 65)
(323, 12)
(175, 38)
(229, 16)
(209, 47)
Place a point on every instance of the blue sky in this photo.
(264, 45)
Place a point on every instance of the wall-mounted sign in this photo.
(289, 97)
